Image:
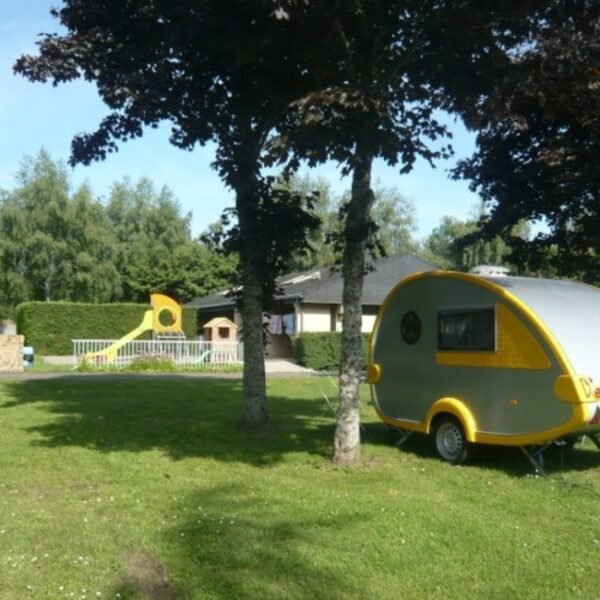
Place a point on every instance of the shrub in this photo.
(322, 351)
(50, 326)
(154, 364)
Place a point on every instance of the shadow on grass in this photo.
(183, 417)
(239, 542)
(510, 459)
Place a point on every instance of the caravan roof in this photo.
(570, 310)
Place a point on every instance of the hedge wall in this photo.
(50, 326)
(321, 351)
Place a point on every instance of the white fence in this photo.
(182, 353)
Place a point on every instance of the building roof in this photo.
(324, 285)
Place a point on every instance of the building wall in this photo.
(368, 321)
(316, 317)
(309, 318)
(279, 346)
(321, 317)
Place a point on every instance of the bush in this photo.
(50, 326)
(322, 351)
(153, 364)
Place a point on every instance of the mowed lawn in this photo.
(120, 487)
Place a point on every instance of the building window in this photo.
(224, 333)
(467, 329)
(410, 327)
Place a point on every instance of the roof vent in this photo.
(490, 271)
(303, 277)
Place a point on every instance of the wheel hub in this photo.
(449, 441)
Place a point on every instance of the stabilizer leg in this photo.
(595, 438)
(404, 435)
(536, 457)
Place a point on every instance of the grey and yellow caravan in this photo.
(485, 359)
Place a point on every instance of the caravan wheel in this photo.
(450, 441)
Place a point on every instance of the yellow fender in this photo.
(458, 409)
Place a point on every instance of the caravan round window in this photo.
(410, 327)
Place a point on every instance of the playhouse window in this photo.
(468, 329)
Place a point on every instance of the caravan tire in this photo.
(450, 440)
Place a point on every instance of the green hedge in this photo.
(50, 326)
(321, 351)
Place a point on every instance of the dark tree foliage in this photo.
(218, 70)
(538, 143)
(388, 67)
(283, 218)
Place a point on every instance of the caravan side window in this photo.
(410, 327)
(467, 329)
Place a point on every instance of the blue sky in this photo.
(40, 115)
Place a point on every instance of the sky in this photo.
(38, 115)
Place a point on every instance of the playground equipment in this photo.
(163, 317)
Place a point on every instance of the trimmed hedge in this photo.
(322, 351)
(50, 326)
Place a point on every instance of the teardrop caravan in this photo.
(483, 359)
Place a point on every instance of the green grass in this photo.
(40, 365)
(147, 488)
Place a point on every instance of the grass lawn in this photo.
(41, 365)
(115, 487)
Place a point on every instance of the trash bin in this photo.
(28, 356)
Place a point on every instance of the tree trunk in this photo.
(347, 432)
(255, 414)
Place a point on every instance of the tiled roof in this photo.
(324, 285)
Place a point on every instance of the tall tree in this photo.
(538, 141)
(93, 251)
(389, 66)
(196, 270)
(362, 113)
(54, 245)
(320, 251)
(14, 286)
(43, 196)
(461, 245)
(215, 70)
(395, 218)
(150, 229)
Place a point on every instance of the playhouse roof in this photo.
(220, 322)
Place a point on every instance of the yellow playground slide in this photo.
(161, 305)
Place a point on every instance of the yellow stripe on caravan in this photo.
(517, 348)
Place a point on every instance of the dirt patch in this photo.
(148, 578)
